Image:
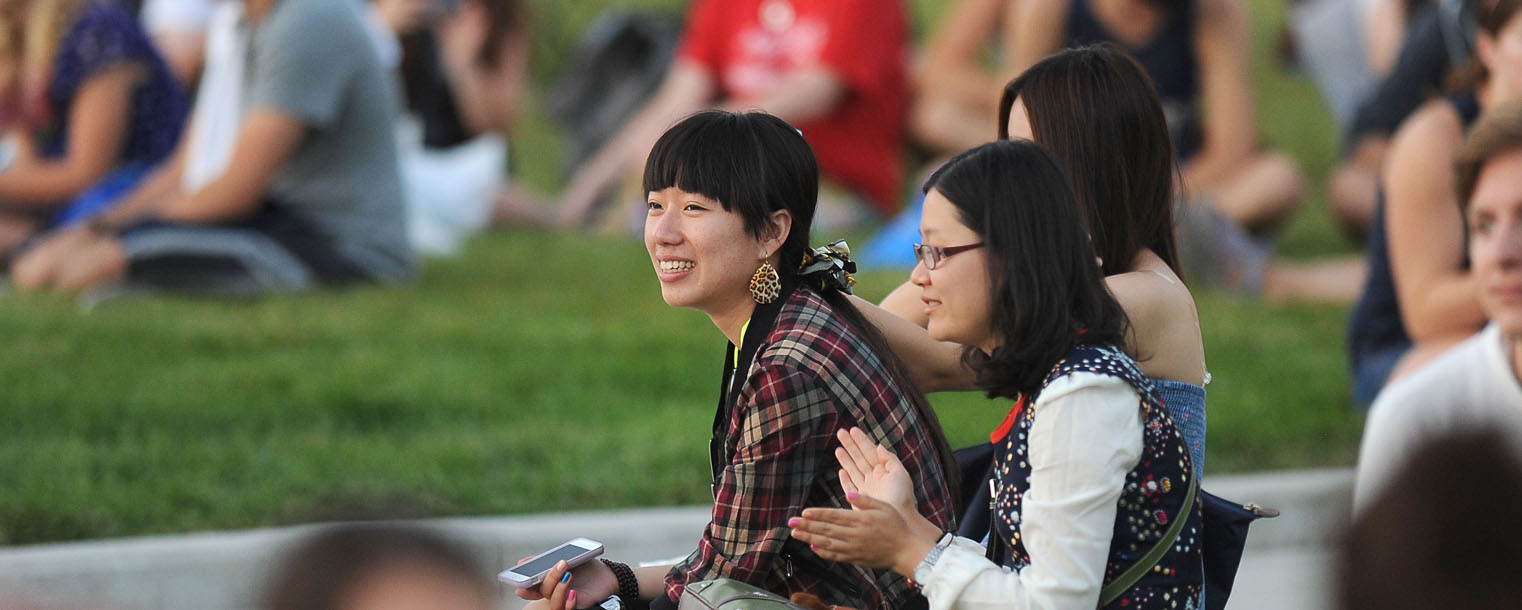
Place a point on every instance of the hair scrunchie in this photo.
(828, 267)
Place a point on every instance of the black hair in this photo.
(324, 569)
(755, 164)
(751, 163)
(1047, 293)
(1443, 533)
(1096, 110)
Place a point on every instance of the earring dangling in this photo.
(765, 286)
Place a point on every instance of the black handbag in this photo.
(1224, 524)
(1224, 537)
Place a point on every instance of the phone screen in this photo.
(548, 561)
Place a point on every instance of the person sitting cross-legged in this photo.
(308, 192)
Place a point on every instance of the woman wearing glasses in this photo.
(1096, 111)
(1091, 472)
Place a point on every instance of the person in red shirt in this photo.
(835, 69)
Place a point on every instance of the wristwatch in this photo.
(922, 571)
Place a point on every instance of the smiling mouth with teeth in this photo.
(673, 266)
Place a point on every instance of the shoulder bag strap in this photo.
(1112, 591)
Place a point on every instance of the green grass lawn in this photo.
(534, 373)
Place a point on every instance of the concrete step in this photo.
(1286, 564)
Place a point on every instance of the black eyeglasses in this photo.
(932, 256)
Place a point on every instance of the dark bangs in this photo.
(756, 164)
(753, 164)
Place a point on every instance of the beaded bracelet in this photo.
(628, 585)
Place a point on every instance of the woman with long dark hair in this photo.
(1096, 111)
(1196, 51)
(1091, 473)
(730, 200)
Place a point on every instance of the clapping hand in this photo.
(872, 470)
(882, 529)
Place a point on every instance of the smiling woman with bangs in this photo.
(730, 198)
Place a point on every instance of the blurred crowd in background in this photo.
(227, 147)
(247, 147)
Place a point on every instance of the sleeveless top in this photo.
(1186, 403)
(1168, 57)
(1375, 323)
(1154, 492)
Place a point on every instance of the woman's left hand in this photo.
(870, 469)
(872, 533)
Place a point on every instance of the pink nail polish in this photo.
(850, 495)
(570, 599)
(792, 522)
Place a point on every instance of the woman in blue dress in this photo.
(87, 106)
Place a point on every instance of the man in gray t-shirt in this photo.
(313, 61)
(311, 195)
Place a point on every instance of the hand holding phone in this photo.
(531, 572)
(568, 588)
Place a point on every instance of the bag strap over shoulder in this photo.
(1128, 578)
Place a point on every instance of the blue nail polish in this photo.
(566, 578)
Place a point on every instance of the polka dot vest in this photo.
(1153, 495)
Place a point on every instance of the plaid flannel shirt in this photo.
(811, 376)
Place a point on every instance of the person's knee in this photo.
(1282, 173)
(1350, 195)
(946, 126)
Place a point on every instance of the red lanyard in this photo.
(1009, 421)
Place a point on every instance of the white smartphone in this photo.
(529, 573)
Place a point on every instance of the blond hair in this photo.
(29, 44)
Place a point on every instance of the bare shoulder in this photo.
(1435, 124)
(1152, 294)
(1166, 341)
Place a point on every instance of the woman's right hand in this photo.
(872, 470)
(593, 582)
(872, 534)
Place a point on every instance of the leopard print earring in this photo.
(765, 285)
